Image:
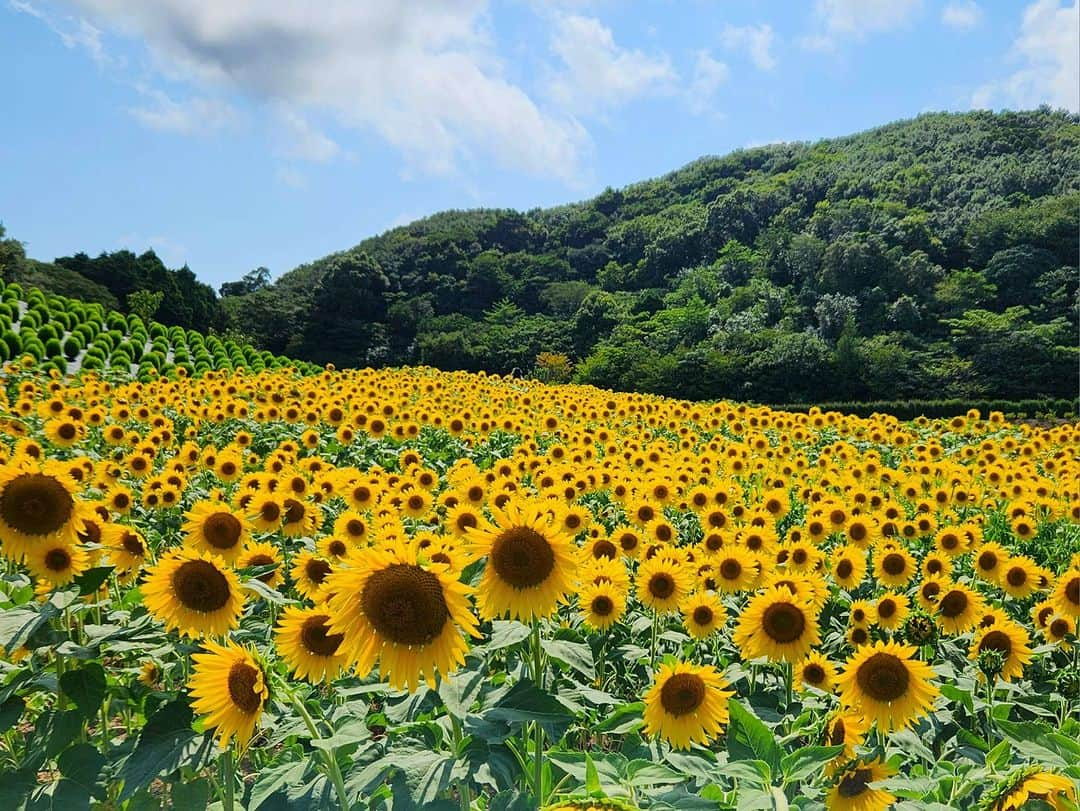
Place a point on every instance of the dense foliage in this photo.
(406, 589)
(928, 258)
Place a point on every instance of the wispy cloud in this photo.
(755, 40)
(74, 32)
(961, 15)
(193, 116)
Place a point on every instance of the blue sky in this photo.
(228, 135)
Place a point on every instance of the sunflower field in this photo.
(270, 589)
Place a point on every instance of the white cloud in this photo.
(962, 15)
(422, 74)
(756, 40)
(195, 116)
(291, 177)
(306, 142)
(709, 74)
(74, 32)
(855, 19)
(1048, 50)
(598, 73)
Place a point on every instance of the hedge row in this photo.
(941, 409)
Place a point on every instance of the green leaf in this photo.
(505, 633)
(749, 738)
(61, 729)
(622, 719)
(17, 625)
(592, 778)
(754, 772)
(524, 702)
(354, 730)
(82, 764)
(10, 712)
(512, 800)
(576, 655)
(166, 743)
(271, 780)
(267, 593)
(1040, 743)
(648, 773)
(807, 761)
(194, 795)
(435, 781)
(459, 690)
(90, 580)
(86, 687)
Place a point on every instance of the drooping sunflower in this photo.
(817, 671)
(663, 583)
(194, 594)
(57, 563)
(958, 609)
(852, 789)
(257, 555)
(776, 625)
(213, 527)
(1066, 595)
(886, 684)
(1010, 640)
(37, 507)
(686, 704)
(229, 687)
(847, 729)
(703, 614)
(304, 641)
(1033, 786)
(125, 548)
(531, 561)
(408, 618)
(601, 604)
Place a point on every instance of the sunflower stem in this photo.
(464, 798)
(788, 669)
(228, 779)
(538, 729)
(652, 640)
(329, 756)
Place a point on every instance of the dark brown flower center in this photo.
(857, 532)
(661, 585)
(522, 557)
(262, 559)
(200, 586)
(731, 569)
(132, 544)
(317, 570)
(242, 680)
(222, 530)
(604, 549)
(682, 693)
(270, 512)
(1016, 576)
(58, 559)
(996, 640)
(844, 569)
(337, 548)
(894, 564)
(954, 603)
(883, 677)
(602, 605)
(36, 504)
(356, 527)
(837, 734)
(405, 604)
(859, 636)
(1059, 627)
(315, 637)
(783, 622)
(703, 615)
(931, 589)
(814, 674)
(294, 511)
(1072, 591)
(886, 609)
(855, 783)
(988, 561)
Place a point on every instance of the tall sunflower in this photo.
(663, 583)
(311, 573)
(229, 687)
(686, 703)
(257, 555)
(703, 614)
(531, 561)
(817, 671)
(958, 609)
(887, 685)
(777, 625)
(37, 507)
(125, 548)
(735, 570)
(213, 527)
(304, 641)
(194, 594)
(601, 604)
(408, 618)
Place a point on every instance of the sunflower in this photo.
(304, 641)
(57, 563)
(686, 703)
(125, 548)
(852, 790)
(886, 684)
(816, 671)
(257, 555)
(862, 614)
(1032, 786)
(604, 570)
(229, 687)
(310, 573)
(958, 609)
(848, 566)
(37, 507)
(894, 566)
(1019, 577)
(601, 605)
(149, 673)
(663, 583)
(988, 560)
(777, 625)
(735, 570)
(212, 527)
(408, 618)
(1066, 596)
(265, 512)
(628, 539)
(845, 729)
(930, 590)
(194, 594)
(301, 518)
(1010, 640)
(703, 614)
(531, 561)
(891, 610)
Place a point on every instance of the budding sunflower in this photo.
(919, 629)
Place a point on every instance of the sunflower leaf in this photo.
(90, 580)
(750, 739)
(807, 761)
(86, 687)
(576, 655)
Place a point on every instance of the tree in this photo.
(253, 280)
(144, 303)
(12, 256)
(347, 311)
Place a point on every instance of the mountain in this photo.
(934, 257)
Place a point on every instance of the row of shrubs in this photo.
(943, 409)
(55, 330)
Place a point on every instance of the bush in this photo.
(72, 347)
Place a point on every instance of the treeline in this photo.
(943, 409)
(930, 258)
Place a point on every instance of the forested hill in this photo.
(926, 258)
